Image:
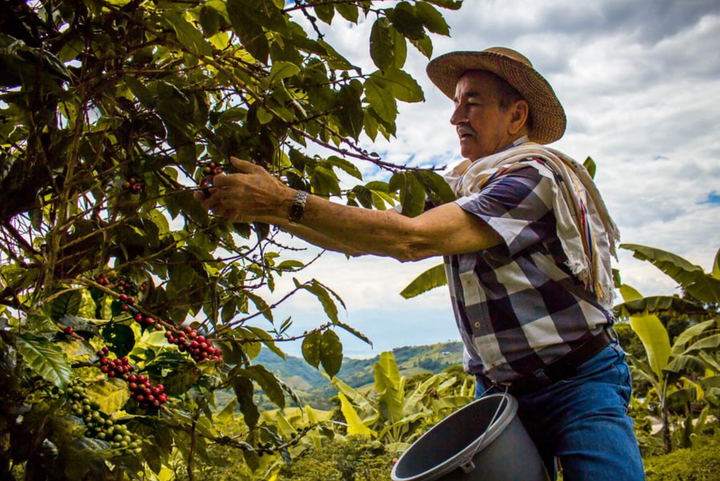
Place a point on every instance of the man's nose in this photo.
(458, 116)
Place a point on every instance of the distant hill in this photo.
(315, 390)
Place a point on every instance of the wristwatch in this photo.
(297, 209)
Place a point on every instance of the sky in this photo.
(640, 83)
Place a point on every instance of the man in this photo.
(527, 248)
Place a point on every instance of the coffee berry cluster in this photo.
(200, 348)
(98, 424)
(114, 368)
(146, 395)
(127, 301)
(102, 279)
(147, 321)
(132, 184)
(209, 171)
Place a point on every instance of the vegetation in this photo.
(131, 324)
(684, 375)
(698, 464)
(113, 279)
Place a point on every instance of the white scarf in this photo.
(587, 233)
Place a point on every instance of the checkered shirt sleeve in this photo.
(518, 206)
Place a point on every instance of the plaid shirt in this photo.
(517, 305)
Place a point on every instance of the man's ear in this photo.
(520, 112)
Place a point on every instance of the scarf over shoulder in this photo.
(586, 231)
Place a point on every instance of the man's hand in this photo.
(250, 195)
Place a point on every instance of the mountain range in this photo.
(313, 389)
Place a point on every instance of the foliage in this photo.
(684, 375)
(701, 463)
(113, 114)
(355, 458)
(394, 415)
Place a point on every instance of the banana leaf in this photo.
(692, 278)
(651, 332)
(658, 305)
(390, 387)
(688, 334)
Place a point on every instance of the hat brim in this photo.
(546, 111)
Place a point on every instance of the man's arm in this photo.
(448, 229)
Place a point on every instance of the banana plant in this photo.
(686, 371)
(396, 417)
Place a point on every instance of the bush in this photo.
(702, 462)
(355, 458)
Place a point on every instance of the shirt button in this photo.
(477, 324)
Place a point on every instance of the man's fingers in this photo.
(243, 166)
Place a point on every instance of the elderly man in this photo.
(527, 248)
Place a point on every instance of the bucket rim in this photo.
(505, 417)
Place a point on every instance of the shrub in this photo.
(355, 458)
(702, 462)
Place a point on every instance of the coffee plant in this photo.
(126, 309)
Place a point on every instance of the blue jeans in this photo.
(583, 420)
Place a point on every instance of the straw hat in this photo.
(548, 116)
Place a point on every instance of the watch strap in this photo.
(297, 209)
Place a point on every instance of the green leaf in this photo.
(322, 292)
(428, 280)
(355, 333)
(261, 305)
(243, 388)
(67, 303)
(267, 339)
(670, 305)
(424, 46)
(412, 194)
(311, 349)
(355, 424)
(228, 412)
(390, 387)
(590, 166)
(330, 352)
(400, 84)
(282, 70)
(267, 382)
(351, 112)
(251, 33)
(111, 394)
(691, 277)
(431, 18)
(325, 13)
(652, 333)
(381, 100)
(119, 338)
(209, 21)
(716, 266)
(348, 11)
(382, 48)
(688, 334)
(450, 4)
(45, 358)
(188, 35)
(347, 166)
(181, 380)
(405, 20)
(436, 187)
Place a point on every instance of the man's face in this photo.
(481, 124)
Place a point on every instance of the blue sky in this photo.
(640, 83)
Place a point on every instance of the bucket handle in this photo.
(467, 464)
